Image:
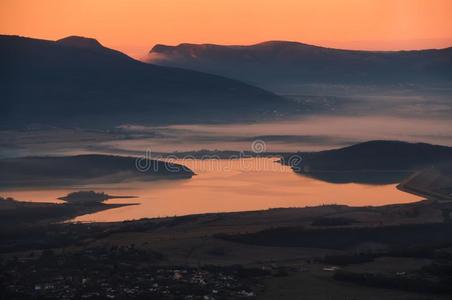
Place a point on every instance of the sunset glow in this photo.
(225, 149)
(135, 26)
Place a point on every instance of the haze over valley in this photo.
(213, 150)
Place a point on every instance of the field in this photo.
(314, 257)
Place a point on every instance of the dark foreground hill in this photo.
(386, 252)
(33, 171)
(370, 162)
(280, 62)
(77, 81)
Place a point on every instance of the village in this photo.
(118, 273)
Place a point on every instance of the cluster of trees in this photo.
(85, 197)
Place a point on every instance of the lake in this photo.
(223, 186)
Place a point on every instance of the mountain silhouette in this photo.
(81, 42)
(280, 62)
(76, 81)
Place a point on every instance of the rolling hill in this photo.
(88, 168)
(369, 162)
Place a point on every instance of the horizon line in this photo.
(143, 55)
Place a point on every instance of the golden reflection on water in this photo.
(224, 186)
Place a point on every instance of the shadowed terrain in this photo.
(369, 162)
(17, 214)
(78, 82)
(391, 252)
(281, 62)
(67, 170)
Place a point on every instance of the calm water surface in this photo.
(224, 186)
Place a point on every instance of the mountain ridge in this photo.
(288, 43)
(57, 83)
(281, 62)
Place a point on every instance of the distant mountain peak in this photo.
(80, 42)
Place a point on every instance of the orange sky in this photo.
(134, 26)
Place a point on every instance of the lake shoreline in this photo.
(30, 213)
